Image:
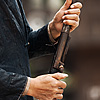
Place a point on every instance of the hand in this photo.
(66, 16)
(47, 87)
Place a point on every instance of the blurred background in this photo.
(83, 59)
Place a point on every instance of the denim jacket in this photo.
(15, 33)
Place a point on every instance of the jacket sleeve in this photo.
(11, 83)
(40, 43)
(38, 40)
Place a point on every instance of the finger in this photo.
(72, 28)
(71, 22)
(60, 91)
(54, 99)
(73, 11)
(58, 96)
(62, 84)
(66, 4)
(71, 17)
(76, 5)
(59, 76)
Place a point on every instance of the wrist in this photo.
(50, 35)
(29, 92)
(32, 87)
(54, 33)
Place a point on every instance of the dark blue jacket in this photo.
(15, 33)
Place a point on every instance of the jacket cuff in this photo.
(17, 86)
(27, 87)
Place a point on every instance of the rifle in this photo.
(62, 49)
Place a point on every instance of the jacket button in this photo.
(27, 44)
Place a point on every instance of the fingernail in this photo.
(71, 6)
(66, 75)
(64, 21)
(66, 12)
(63, 17)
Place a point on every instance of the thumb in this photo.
(59, 76)
(66, 4)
